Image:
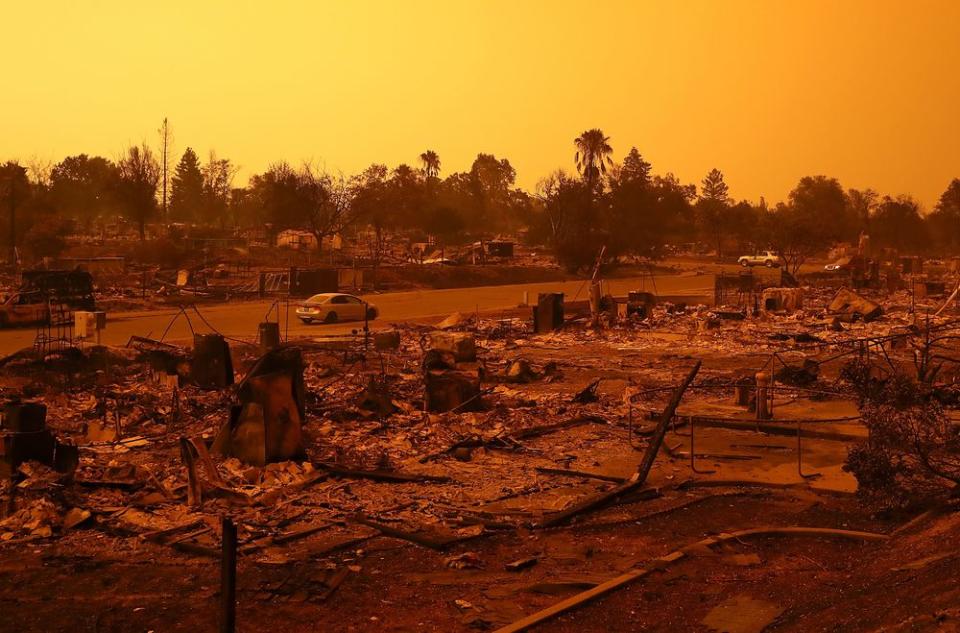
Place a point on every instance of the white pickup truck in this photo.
(765, 258)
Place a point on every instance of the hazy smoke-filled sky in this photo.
(767, 91)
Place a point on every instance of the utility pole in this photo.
(12, 197)
(165, 163)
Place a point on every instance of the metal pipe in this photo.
(228, 578)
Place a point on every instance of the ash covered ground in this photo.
(472, 474)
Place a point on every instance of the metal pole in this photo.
(366, 325)
(693, 455)
(13, 220)
(228, 578)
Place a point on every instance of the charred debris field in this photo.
(626, 465)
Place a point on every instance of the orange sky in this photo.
(768, 91)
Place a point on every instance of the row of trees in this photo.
(624, 206)
(631, 211)
(90, 188)
(42, 201)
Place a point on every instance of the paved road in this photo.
(240, 319)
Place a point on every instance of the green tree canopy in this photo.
(897, 223)
(431, 164)
(593, 155)
(84, 187)
(187, 195)
(945, 219)
(712, 208)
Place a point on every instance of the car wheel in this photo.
(769, 263)
(331, 317)
(371, 313)
(307, 321)
(745, 264)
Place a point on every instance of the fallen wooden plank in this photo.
(335, 582)
(205, 459)
(579, 473)
(413, 537)
(189, 535)
(658, 564)
(644, 494)
(282, 539)
(591, 503)
(122, 484)
(188, 453)
(472, 519)
(637, 480)
(523, 563)
(514, 438)
(546, 429)
(381, 475)
(656, 439)
(301, 533)
(156, 483)
(161, 534)
(342, 545)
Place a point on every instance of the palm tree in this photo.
(593, 154)
(431, 163)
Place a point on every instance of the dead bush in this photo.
(874, 383)
(911, 456)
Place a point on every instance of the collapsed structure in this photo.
(494, 442)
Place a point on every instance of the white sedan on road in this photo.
(331, 307)
(766, 258)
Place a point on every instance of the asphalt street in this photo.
(240, 319)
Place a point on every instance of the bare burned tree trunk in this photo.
(166, 139)
(139, 175)
(326, 199)
(12, 196)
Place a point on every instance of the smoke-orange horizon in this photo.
(767, 92)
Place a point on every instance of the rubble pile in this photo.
(434, 435)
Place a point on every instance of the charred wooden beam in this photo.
(637, 480)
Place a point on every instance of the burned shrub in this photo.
(911, 456)
(877, 384)
(804, 375)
